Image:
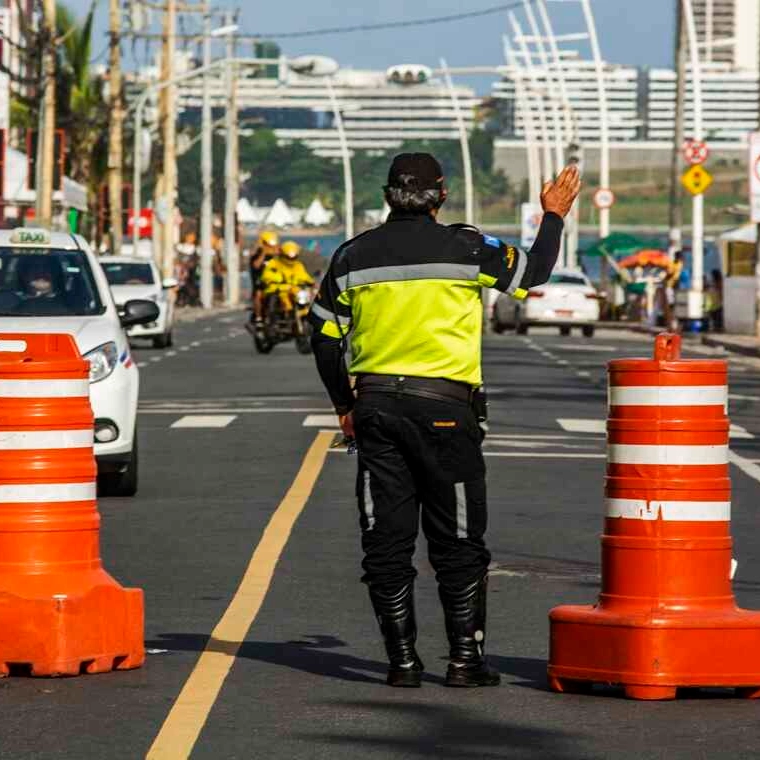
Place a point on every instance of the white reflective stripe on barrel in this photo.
(11, 440)
(46, 492)
(44, 388)
(696, 511)
(662, 395)
(624, 453)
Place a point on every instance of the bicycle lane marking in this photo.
(183, 725)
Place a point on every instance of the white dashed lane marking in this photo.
(204, 421)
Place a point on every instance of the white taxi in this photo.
(132, 278)
(51, 282)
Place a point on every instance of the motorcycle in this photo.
(285, 320)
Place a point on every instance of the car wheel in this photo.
(564, 330)
(588, 331)
(162, 341)
(522, 329)
(123, 483)
(498, 327)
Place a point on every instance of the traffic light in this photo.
(575, 155)
(409, 73)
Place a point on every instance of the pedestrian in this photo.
(409, 293)
(715, 310)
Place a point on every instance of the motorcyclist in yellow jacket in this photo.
(284, 273)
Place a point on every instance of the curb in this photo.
(736, 348)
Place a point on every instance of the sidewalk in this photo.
(748, 345)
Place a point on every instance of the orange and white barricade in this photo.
(61, 613)
(666, 616)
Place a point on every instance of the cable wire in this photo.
(391, 24)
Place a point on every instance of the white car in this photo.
(132, 278)
(51, 282)
(567, 300)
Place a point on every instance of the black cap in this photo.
(415, 171)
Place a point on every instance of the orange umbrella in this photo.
(648, 257)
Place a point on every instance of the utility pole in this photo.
(46, 136)
(166, 187)
(676, 192)
(207, 157)
(231, 175)
(115, 132)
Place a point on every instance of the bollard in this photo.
(666, 616)
(60, 611)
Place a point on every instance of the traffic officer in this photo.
(409, 293)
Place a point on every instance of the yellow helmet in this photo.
(270, 239)
(291, 250)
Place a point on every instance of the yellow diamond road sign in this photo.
(697, 179)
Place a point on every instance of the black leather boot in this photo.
(395, 613)
(465, 611)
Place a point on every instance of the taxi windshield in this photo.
(47, 282)
(121, 273)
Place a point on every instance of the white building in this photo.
(378, 114)
(624, 96)
(729, 104)
(730, 30)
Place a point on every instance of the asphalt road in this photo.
(307, 680)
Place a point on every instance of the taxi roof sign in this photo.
(29, 236)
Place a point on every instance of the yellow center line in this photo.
(188, 715)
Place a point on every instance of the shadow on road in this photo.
(315, 654)
(414, 729)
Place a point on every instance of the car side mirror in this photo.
(139, 312)
(169, 283)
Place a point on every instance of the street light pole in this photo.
(231, 177)
(207, 158)
(464, 141)
(547, 172)
(571, 130)
(696, 294)
(604, 116)
(531, 138)
(348, 177)
(559, 152)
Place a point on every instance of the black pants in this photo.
(420, 453)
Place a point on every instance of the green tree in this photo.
(82, 109)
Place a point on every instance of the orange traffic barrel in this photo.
(666, 616)
(61, 613)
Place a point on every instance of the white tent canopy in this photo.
(280, 215)
(249, 214)
(317, 215)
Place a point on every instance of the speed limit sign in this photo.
(695, 152)
(604, 198)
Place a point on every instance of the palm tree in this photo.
(82, 109)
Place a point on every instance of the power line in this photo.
(392, 24)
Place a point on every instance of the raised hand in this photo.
(559, 196)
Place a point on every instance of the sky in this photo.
(639, 33)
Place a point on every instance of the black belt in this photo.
(426, 387)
